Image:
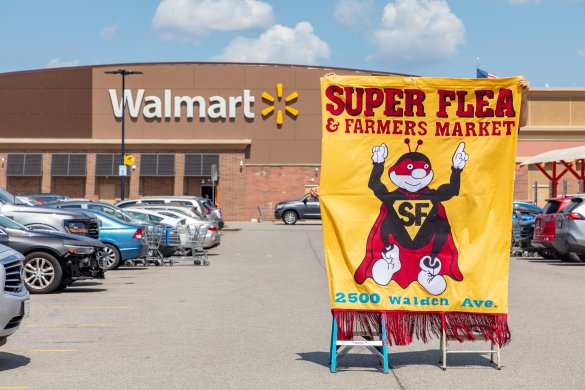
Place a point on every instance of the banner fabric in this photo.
(416, 194)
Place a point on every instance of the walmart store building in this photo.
(259, 125)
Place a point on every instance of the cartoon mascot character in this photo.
(411, 239)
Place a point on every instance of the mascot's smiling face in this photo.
(412, 172)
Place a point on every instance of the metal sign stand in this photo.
(339, 348)
(494, 350)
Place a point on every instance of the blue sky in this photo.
(543, 40)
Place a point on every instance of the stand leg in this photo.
(333, 350)
(384, 345)
(444, 349)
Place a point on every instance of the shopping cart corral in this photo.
(188, 239)
(154, 236)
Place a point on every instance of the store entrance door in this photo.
(207, 192)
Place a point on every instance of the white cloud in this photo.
(523, 2)
(108, 33)
(57, 63)
(278, 44)
(581, 52)
(414, 32)
(197, 17)
(354, 13)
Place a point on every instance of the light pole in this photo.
(123, 72)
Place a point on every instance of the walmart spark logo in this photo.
(287, 100)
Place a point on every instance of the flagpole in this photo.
(476, 64)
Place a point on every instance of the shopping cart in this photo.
(154, 236)
(196, 236)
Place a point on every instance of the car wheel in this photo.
(569, 257)
(549, 255)
(290, 217)
(42, 273)
(111, 255)
(64, 283)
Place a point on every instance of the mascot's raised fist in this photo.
(379, 153)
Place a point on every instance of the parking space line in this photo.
(89, 307)
(68, 325)
(50, 350)
(15, 387)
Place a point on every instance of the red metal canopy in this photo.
(562, 161)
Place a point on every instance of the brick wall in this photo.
(156, 185)
(23, 184)
(521, 183)
(73, 187)
(231, 194)
(268, 185)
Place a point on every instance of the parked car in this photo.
(52, 260)
(123, 240)
(14, 297)
(569, 240)
(117, 214)
(193, 218)
(44, 218)
(545, 226)
(290, 211)
(87, 204)
(523, 217)
(47, 197)
(190, 201)
(153, 216)
(162, 200)
(27, 200)
(211, 208)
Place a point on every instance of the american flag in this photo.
(482, 74)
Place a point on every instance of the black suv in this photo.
(52, 260)
(45, 218)
(291, 211)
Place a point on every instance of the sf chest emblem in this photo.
(413, 214)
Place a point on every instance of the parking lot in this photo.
(258, 317)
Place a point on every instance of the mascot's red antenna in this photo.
(418, 143)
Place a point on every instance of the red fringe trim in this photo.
(403, 326)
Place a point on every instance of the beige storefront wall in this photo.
(70, 110)
(556, 121)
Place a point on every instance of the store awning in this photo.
(565, 159)
(558, 155)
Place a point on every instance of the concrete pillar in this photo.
(90, 192)
(46, 172)
(179, 174)
(135, 178)
(4, 163)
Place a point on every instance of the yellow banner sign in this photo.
(416, 195)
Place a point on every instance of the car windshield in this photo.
(6, 197)
(551, 207)
(8, 223)
(573, 205)
(100, 213)
(112, 212)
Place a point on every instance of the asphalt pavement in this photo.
(258, 318)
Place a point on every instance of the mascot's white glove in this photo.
(429, 277)
(384, 269)
(460, 157)
(379, 153)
